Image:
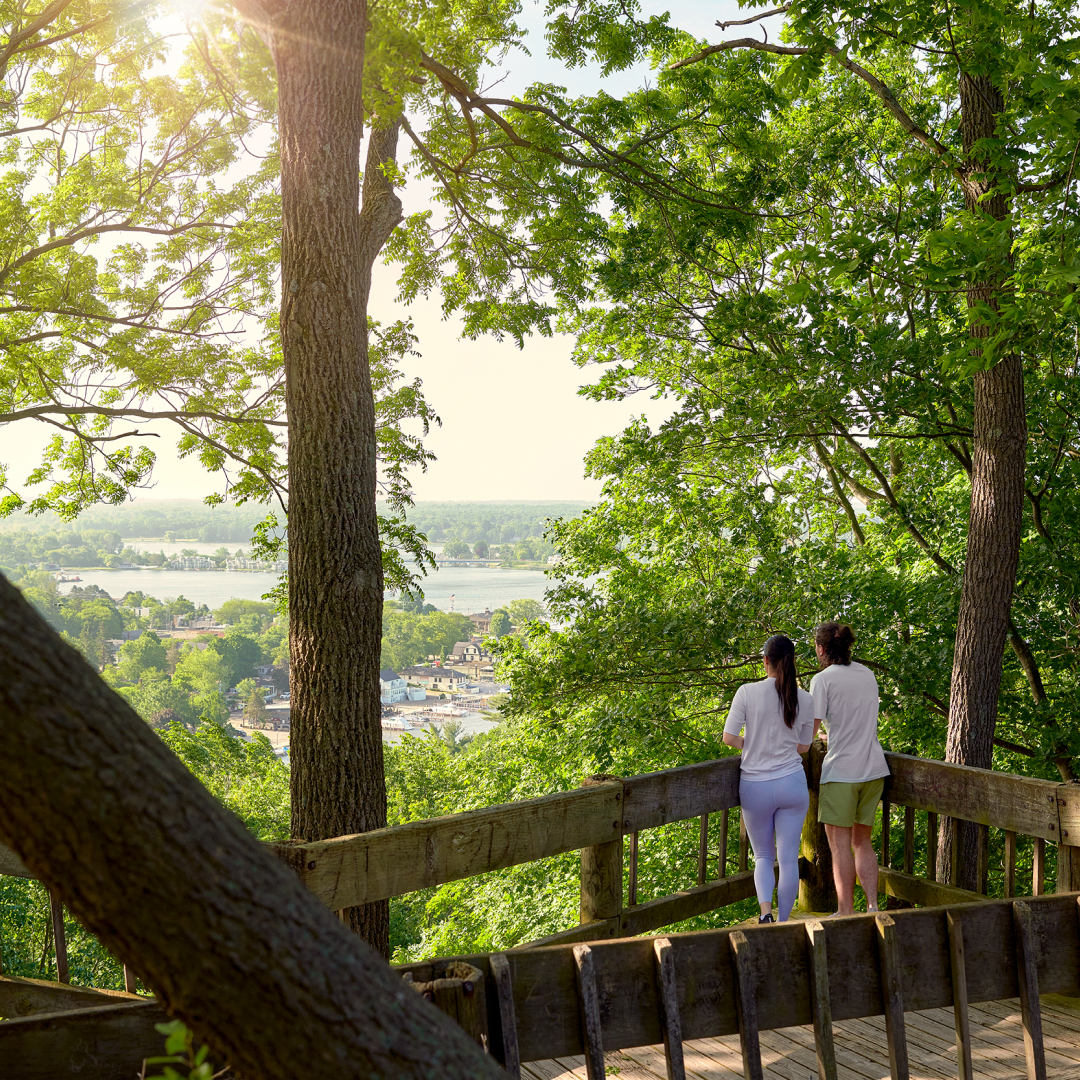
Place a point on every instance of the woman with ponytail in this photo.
(777, 717)
(853, 773)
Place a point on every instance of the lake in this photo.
(473, 588)
(471, 724)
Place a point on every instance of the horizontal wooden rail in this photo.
(29, 997)
(1020, 804)
(389, 862)
(678, 794)
(377, 865)
(352, 870)
(550, 1024)
(654, 914)
(51, 1029)
(917, 890)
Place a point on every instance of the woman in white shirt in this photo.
(778, 719)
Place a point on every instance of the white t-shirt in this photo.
(846, 698)
(769, 750)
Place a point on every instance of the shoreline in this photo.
(231, 570)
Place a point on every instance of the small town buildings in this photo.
(469, 652)
(188, 562)
(279, 566)
(436, 678)
(393, 687)
(196, 622)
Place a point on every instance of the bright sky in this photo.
(514, 426)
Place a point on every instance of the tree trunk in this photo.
(997, 500)
(335, 560)
(109, 819)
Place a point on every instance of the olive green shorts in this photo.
(845, 804)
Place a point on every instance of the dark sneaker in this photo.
(766, 918)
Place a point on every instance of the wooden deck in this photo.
(861, 1054)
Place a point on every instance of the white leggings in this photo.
(774, 811)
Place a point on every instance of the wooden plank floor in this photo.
(861, 1054)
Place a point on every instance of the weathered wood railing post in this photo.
(59, 939)
(458, 992)
(1068, 813)
(817, 892)
(601, 872)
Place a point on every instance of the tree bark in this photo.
(109, 819)
(328, 248)
(997, 498)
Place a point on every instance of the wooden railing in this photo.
(545, 1003)
(604, 820)
(1016, 806)
(595, 819)
(574, 998)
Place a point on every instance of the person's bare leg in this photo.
(843, 866)
(866, 862)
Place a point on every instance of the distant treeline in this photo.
(62, 546)
(182, 519)
(189, 519)
(488, 522)
(69, 546)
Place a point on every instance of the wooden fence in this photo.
(582, 999)
(51, 1030)
(576, 998)
(595, 819)
(604, 819)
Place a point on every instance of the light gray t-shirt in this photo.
(769, 749)
(846, 698)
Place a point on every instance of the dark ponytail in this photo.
(835, 640)
(780, 652)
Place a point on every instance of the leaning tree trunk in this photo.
(335, 562)
(997, 501)
(144, 857)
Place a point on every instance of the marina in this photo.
(396, 723)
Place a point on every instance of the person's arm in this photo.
(736, 721)
(806, 728)
(819, 692)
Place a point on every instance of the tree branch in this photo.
(41, 411)
(883, 92)
(49, 14)
(756, 18)
(853, 519)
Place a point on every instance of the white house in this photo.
(393, 686)
(436, 678)
(469, 652)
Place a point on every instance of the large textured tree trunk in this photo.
(99, 809)
(997, 500)
(335, 561)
